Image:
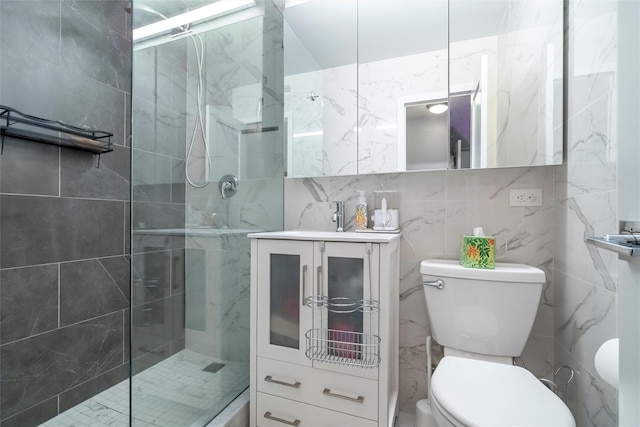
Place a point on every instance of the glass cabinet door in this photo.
(350, 284)
(284, 271)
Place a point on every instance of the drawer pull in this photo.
(359, 399)
(295, 423)
(270, 379)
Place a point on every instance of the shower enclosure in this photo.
(207, 169)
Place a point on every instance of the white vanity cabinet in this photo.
(324, 328)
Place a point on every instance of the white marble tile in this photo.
(593, 32)
(585, 317)
(340, 118)
(308, 216)
(537, 356)
(305, 121)
(586, 277)
(543, 326)
(585, 89)
(423, 226)
(586, 178)
(494, 184)
(414, 328)
(418, 186)
(591, 150)
(523, 235)
(592, 402)
(576, 218)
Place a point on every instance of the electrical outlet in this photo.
(525, 197)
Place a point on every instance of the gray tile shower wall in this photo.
(64, 245)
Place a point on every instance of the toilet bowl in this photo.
(483, 318)
(467, 392)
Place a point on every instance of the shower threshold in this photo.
(175, 392)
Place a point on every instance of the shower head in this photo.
(146, 8)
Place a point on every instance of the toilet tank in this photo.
(482, 311)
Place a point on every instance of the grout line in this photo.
(59, 172)
(69, 325)
(58, 295)
(50, 196)
(124, 335)
(67, 262)
(115, 283)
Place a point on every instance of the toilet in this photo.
(483, 318)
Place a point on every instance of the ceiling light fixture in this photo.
(437, 108)
(214, 10)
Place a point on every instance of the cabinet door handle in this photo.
(295, 422)
(270, 379)
(319, 283)
(359, 399)
(304, 285)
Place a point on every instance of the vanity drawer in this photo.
(272, 411)
(337, 392)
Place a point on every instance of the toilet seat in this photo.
(478, 393)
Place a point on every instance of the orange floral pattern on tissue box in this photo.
(477, 251)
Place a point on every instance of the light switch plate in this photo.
(525, 197)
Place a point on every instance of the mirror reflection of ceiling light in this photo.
(437, 108)
(214, 10)
(303, 134)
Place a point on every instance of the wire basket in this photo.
(343, 347)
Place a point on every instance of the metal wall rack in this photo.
(623, 244)
(15, 124)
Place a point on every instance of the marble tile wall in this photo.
(243, 68)
(529, 64)
(436, 207)
(218, 273)
(244, 90)
(357, 123)
(158, 185)
(586, 203)
(64, 246)
(354, 128)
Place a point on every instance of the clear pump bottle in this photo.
(361, 211)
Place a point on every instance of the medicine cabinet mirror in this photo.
(366, 83)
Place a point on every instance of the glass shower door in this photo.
(202, 112)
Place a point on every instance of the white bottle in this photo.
(361, 211)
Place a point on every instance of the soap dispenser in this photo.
(361, 211)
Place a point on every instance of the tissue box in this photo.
(477, 251)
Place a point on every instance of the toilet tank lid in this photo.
(504, 271)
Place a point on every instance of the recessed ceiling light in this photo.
(437, 108)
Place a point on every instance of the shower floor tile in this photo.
(175, 392)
